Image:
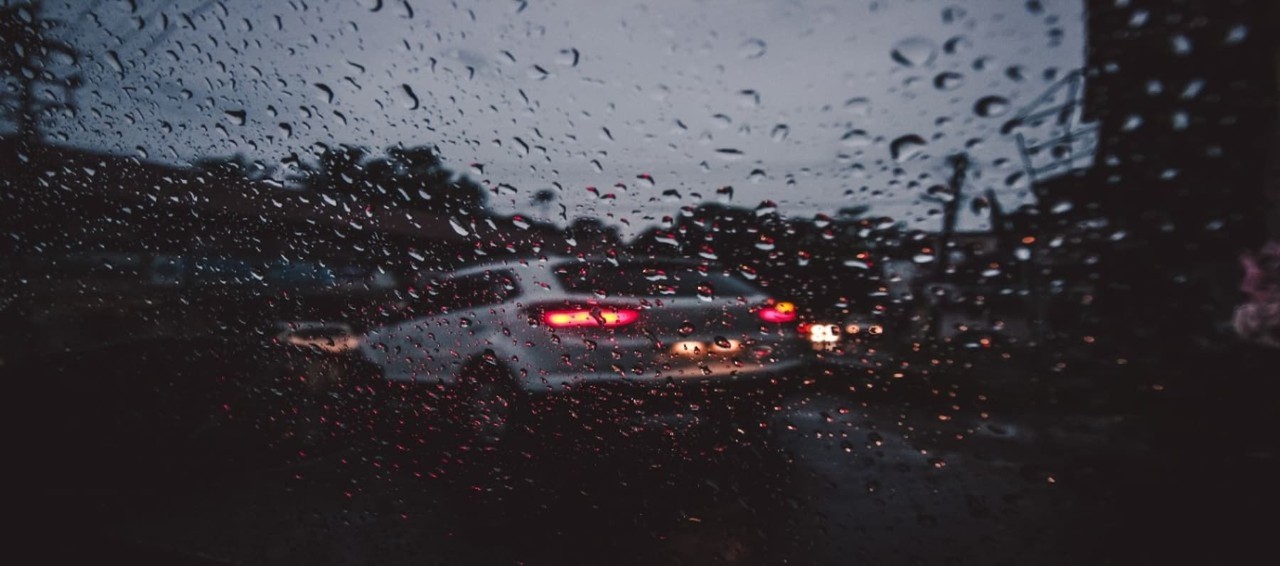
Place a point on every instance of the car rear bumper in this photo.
(710, 374)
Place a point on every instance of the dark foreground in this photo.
(1006, 463)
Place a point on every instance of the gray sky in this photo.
(587, 94)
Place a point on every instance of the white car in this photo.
(495, 339)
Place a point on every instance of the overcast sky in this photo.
(697, 95)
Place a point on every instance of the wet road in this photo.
(840, 477)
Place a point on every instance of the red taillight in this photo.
(778, 313)
(590, 317)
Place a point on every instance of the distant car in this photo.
(859, 339)
(491, 342)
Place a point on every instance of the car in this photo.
(859, 339)
(493, 343)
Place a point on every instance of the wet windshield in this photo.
(650, 282)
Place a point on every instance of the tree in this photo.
(414, 177)
(29, 60)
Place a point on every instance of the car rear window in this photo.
(650, 280)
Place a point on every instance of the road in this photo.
(842, 476)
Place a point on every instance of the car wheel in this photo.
(489, 402)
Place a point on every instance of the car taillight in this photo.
(607, 317)
(778, 312)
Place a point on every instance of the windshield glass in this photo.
(642, 282)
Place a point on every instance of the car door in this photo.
(453, 317)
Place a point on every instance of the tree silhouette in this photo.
(413, 177)
(29, 60)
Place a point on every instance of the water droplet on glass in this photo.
(113, 61)
(706, 292)
(325, 93)
(858, 106)
(567, 57)
(729, 154)
(461, 231)
(1236, 34)
(948, 80)
(914, 52)
(686, 328)
(956, 45)
(752, 49)
(1180, 44)
(856, 138)
(236, 117)
(953, 14)
(906, 147)
(779, 132)
(408, 99)
(724, 194)
(991, 106)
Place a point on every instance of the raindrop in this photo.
(461, 231)
(113, 61)
(567, 57)
(326, 93)
(858, 106)
(948, 80)
(537, 73)
(914, 52)
(686, 328)
(856, 138)
(991, 106)
(752, 49)
(236, 117)
(748, 98)
(779, 132)
(706, 292)
(1236, 34)
(953, 14)
(756, 175)
(956, 45)
(906, 147)
(1181, 45)
(646, 180)
(408, 99)
(730, 154)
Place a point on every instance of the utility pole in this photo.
(959, 164)
(26, 60)
(954, 196)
